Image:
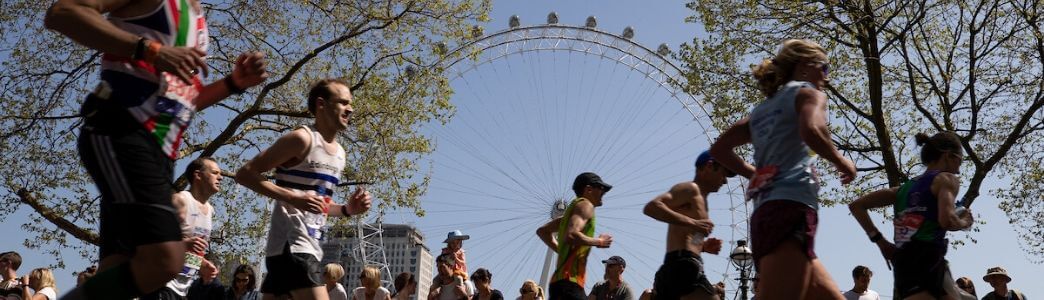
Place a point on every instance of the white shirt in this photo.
(868, 295)
(360, 293)
(338, 293)
(49, 292)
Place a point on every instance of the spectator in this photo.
(483, 286)
(530, 291)
(207, 287)
(999, 279)
(405, 286)
(966, 285)
(451, 285)
(244, 284)
(86, 274)
(10, 287)
(371, 288)
(332, 275)
(613, 287)
(861, 291)
(40, 280)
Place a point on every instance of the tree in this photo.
(384, 48)
(973, 67)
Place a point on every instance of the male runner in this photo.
(575, 237)
(133, 124)
(196, 215)
(684, 209)
(308, 163)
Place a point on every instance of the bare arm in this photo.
(248, 71)
(811, 107)
(875, 199)
(662, 208)
(723, 150)
(945, 186)
(179, 205)
(546, 233)
(286, 149)
(582, 212)
(82, 21)
(358, 202)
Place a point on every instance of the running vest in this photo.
(917, 212)
(196, 224)
(784, 164)
(572, 259)
(161, 102)
(318, 173)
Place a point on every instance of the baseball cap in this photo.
(589, 178)
(706, 158)
(615, 260)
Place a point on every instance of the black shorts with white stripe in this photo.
(135, 179)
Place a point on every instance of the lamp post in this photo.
(743, 259)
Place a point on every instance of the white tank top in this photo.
(196, 224)
(318, 173)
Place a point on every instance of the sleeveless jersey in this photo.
(784, 164)
(917, 212)
(196, 224)
(572, 259)
(318, 173)
(161, 102)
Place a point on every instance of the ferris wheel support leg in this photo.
(545, 275)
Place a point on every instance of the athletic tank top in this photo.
(572, 259)
(917, 212)
(784, 164)
(161, 102)
(197, 224)
(318, 173)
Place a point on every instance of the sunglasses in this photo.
(524, 291)
(242, 279)
(823, 66)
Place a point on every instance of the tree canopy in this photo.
(385, 49)
(973, 67)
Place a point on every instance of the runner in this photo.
(309, 163)
(153, 54)
(684, 209)
(789, 132)
(575, 237)
(196, 215)
(924, 210)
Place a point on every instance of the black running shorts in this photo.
(681, 274)
(291, 271)
(566, 290)
(134, 176)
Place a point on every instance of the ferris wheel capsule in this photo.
(663, 50)
(552, 18)
(514, 21)
(628, 32)
(591, 22)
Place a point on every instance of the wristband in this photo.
(139, 49)
(344, 211)
(876, 237)
(231, 86)
(152, 49)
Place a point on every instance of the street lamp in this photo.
(743, 259)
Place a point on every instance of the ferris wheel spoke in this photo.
(629, 115)
(648, 146)
(605, 143)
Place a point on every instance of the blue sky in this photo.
(528, 123)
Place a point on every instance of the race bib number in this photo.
(192, 264)
(761, 181)
(906, 226)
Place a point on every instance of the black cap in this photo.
(615, 260)
(588, 178)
